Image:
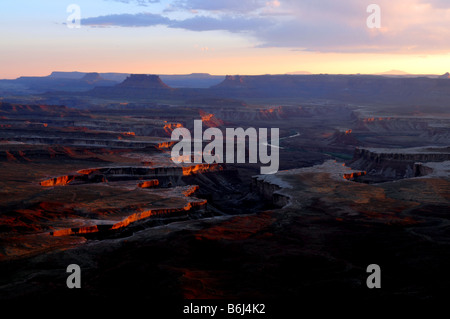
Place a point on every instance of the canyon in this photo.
(87, 178)
(393, 164)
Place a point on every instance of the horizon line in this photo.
(386, 73)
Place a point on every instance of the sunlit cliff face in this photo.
(153, 212)
(187, 170)
(86, 171)
(125, 134)
(58, 181)
(374, 119)
(268, 113)
(148, 184)
(201, 168)
(353, 175)
(169, 127)
(165, 145)
(140, 215)
(191, 190)
(73, 231)
(210, 120)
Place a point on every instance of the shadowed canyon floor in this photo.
(318, 245)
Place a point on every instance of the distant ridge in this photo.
(143, 81)
(67, 75)
(360, 88)
(299, 72)
(148, 86)
(394, 72)
(192, 80)
(92, 77)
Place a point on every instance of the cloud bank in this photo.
(415, 26)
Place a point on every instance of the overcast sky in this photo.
(224, 36)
